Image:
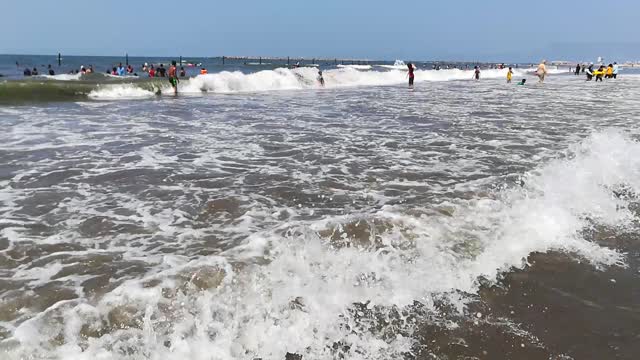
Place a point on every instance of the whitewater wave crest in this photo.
(307, 287)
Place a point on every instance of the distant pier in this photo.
(289, 60)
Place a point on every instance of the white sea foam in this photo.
(291, 79)
(121, 91)
(63, 77)
(398, 65)
(357, 67)
(306, 78)
(294, 292)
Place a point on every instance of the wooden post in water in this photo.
(126, 59)
(288, 61)
(59, 60)
(223, 60)
(260, 60)
(180, 60)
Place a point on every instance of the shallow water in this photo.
(367, 222)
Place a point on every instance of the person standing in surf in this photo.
(590, 73)
(173, 77)
(476, 73)
(320, 78)
(542, 71)
(509, 75)
(411, 74)
(599, 74)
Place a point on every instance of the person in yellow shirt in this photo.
(509, 75)
(609, 74)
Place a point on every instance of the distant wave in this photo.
(102, 87)
(358, 67)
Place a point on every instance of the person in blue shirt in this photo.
(121, 70)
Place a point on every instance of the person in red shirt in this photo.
(152, 71)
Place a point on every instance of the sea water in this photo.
(259, 215)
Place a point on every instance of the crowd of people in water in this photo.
(602, 72)
(173, 74)
(609, 72)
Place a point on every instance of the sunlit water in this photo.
(329, 223)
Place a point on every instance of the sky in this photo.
(488, 30)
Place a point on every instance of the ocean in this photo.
(258, 215)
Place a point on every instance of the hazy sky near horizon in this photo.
(374, 29)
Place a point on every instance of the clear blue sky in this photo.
(412, 29)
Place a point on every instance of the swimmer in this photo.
(522, 82)
(173, 77)
(542, 71)
(320, 78)
(161, 71)
(476, 73)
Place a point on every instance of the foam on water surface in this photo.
(290, 79)
(251, 226)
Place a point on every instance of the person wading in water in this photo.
(173, 77)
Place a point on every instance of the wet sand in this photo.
(563, 309)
